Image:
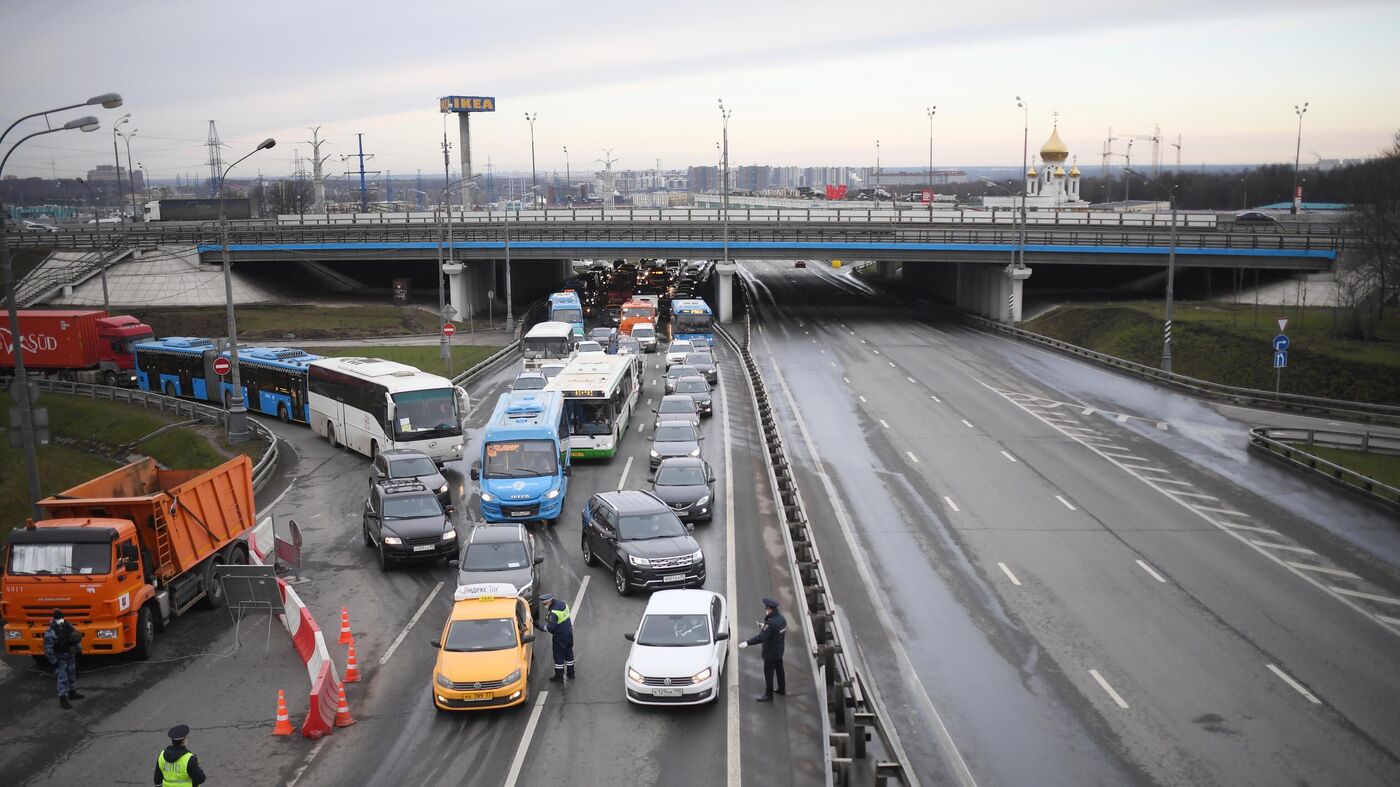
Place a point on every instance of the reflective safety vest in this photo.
(560, 615)
(175, 773)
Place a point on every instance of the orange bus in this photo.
(636, 311)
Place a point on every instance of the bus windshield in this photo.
(567, 314)
(589, 416)
(637, 313)
(547, 347)
(520, 459)
(690, 323)
(419, 415)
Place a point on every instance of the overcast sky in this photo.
(809, 83)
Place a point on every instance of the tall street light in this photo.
(877, 174)
(568, 177)
(444, 346)
(931, 112)
(237, 411)
(1297, 152)
(1171, 269)
(510, 313)
(21, 389)
(130, 176)
(1012, 194)
(531, 119)
(1025, 167)
(724, 178)
(101, 261)
(117, 160)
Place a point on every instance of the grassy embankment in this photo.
(1380, 467)
(1223, 343)
(423, 357)
(101, 427)
(297, 324)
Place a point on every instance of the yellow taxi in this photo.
(484, 651)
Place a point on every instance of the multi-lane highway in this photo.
(1062, 576)
(223, 684)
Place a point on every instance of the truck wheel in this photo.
(109, 379)
(213, 590)
(145, 634)
(588, 558)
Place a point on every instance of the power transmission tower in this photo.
(361, 156)
(418, 187)
(316, 161)
(216, 159)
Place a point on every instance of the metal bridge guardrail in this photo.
(262, 469)
(851, 712)
(1281, 444)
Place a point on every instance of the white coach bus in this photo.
(371, 405)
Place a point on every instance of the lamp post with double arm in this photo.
(1170, 191)
(237, 409)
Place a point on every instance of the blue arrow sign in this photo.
(1280, 360)
(1281, 343)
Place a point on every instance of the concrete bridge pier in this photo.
(467, 284)
(724, 291)
(991, 291)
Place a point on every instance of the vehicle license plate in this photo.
(673, 578)
(665, 692)
(423, 548)
(476, 696)
(520, 513)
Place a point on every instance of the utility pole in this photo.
(1297, 152)
(531, 119)
(724, 176)
(931, 112)
(607, 163)
(364, 197)
(216, 159)
(316, 161)
(568, 179)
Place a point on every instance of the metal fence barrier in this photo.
(1282, 444)
(851, 713)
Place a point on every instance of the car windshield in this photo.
(465, 636)
(693, 475)
(643, 333)
(639, 527)
(700, 359)
(672, 432)
(530, 382)
(679, 371)
(637, 312)
(692, 385)
(411, 467)
(686, 405)
(495, 557)
(85, 558)
(520, 459)
(411, 506)
(422, 414)
(674, 631)
(680, 347)
(589, 347)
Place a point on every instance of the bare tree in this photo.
(1375, 225)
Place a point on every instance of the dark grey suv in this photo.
(400, 463)
(405, 522)
(502, 553)
(642, 541)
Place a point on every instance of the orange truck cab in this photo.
(634, 312)
(124, 553)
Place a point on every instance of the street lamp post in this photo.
(877, 174)
(724, 178)
(1025, 167)
(1171, 269)
(533, 185)
(117, 160)
(931, 112)
(444, 346)
(568, 177)
(130, 176)
(21, 388)
(1297, 154)
(101, 261)
(237, 411)
(510, 313)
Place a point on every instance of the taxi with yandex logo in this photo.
(484, 651)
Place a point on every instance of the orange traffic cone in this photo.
(342, 711)
(345, 636)
(284, 722)
(352, 667)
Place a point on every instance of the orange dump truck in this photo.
(125, 553)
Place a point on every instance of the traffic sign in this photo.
(222, 366)
(1281, 360)
(928, 196)
(1282, 324)
(448, 329)
(1281, 343)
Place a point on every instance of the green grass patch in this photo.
(1381, 467)
(295, 323)
(60, 468)
(1223, 343)
(424, 357)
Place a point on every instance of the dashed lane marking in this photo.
(1008, 456)
(846, 380)
(1009, 575)
(1066, 503)
(393, 646)
(1298, 687)
(862, 398)
(882, 423)
(912, 380)
(1367, 596)
(934, 398)
(1225, 511)
(622, 480)
(891, 363)
(1284, 547)
(968, 424)
(1192, 494)
(1151, 571)
(1147, 469)
(1336, 572)
(524, 747)
(1109, 689)
(949, 501)
(1251, 528)
(911, 456)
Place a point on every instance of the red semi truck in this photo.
(82, 345)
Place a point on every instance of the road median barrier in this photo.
(1282, 444)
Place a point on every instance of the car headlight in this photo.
(703, 500)
(393, 540)
(655, 455)
(639, 561)
(698, 555)
(108, 633)
(486, 497)
(442, 488)
(705, 403)
(511, 678)
(696, 452)
(457, 448)
(449, 534)
(442, 681)
(635, 675)
(14, 634)
(701, 676)
(551, 494)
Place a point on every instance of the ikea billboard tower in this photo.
(464, 106)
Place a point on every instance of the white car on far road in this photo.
(679, 649)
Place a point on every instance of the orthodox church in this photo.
(1050, 186)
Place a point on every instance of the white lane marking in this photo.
(911, 456)
(576, 608)
(1122, 419)
(393, 646)
(882, 423)
(524, 747)
(1087, 411)
(1009, 575)
(1251, 528)
(306, 763)
(1336, 572)
(1146, 468)
(267, 508)
(1009, 456)
(862, 341)
(891, 363)
(1151, 571)
(1104, 685)
(1172, 481)
(846, 380)
(862, 398)
(877, 352)
(622, 481)
(911, 379)
(1080, 429)
(1124, 456)
(950, 502)
(1191, 494)
(1390, 620)
(1285, 547)
(1068, 504)
(1298, 687)
(833, 363)
(734, 774)
(968, 424)
(1225, 511)
(1367, 596)
(648, 401)
(934, 398)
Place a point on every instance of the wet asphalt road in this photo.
(1083, 579)
(584, 732)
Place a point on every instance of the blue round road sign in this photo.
(1281, 343)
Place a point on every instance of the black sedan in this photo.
(687, 485)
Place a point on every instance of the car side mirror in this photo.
(437, 643)
(568, 471)
(651, 479)
(454, 562)
(539, 560)
(131, 564)
(689, 526)
(451, 509)
(528, 638)
(475, 474)
(630, 637)
(722, 636)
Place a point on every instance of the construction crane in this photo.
(1155, 138)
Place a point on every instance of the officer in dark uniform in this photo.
(772, 633)
(61, 644)
(561, 630)
(177, 766)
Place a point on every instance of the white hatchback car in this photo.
(679, 649)
(677, 352)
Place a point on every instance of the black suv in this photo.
(405, 521)
(642, 541)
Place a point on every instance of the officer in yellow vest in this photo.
(177, 766)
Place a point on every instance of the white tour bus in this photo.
(372, 405)
(600, 393)
(548, 341)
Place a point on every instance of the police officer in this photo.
(61, 642)
(772, 632)
(561, 629)
(177, 766)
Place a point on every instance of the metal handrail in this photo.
(1275, 443)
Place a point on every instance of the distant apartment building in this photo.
(105, 173)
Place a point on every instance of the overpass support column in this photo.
(457, 275)
(1015, 279)
(724, 292)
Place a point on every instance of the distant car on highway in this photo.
(38, 226)
(1255, 216)
(677, 351)
(705, 363)
(645, 333)
(686, 484)
(679, 649)
(529, 381)
(603, 335)
(677, 372)
(677, 407)
(800, 264)
(589, 347)
(673, 438)
(551, 368)
(699, 390)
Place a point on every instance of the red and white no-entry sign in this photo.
(448, 329)
(222, 366)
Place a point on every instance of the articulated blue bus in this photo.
(691, 318)
(273, 378)
(566, 307)
(524, 471)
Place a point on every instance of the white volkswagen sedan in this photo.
(679, 649)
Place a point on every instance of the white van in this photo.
(645, 334)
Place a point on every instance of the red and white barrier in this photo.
(306, 638)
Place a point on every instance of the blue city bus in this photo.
(177, 366)
(566, 307)
(524, 472)
(691, 318)
(274, 381)
(273, 378)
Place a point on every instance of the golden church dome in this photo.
(1054, 149)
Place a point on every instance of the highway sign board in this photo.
(222, 366)
(448, 329)
(1281, 360)
(1281, 343)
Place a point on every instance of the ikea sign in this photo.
(467, 104)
